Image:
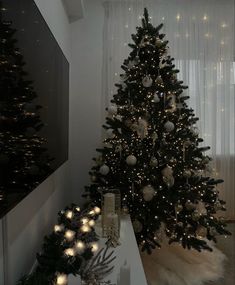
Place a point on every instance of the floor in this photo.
(227, 245)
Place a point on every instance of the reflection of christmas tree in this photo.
(152, 151)
(23, 161)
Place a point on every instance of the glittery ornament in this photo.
(147, 81)
(169, 126)
(148, 193)
(104, 169)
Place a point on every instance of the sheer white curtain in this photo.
(201, 39)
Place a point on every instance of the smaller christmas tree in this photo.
(23, 159)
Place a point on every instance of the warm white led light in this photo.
(61, 279)
(97, 210)
(94, 246)
(69, 251)
(69, 235)
(69, 214)
(85, 228)
(91, 223)
(58, 228)
(84, 221)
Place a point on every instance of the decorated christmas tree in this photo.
(152, 151)
(23, 158)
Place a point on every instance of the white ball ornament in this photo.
(112, 109)
(131, 160)
(169, 126)
(104, 169)
(148, 193)
(156, 98)
(147, 81)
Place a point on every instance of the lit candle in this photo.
(109, 203)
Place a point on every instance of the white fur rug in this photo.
(174, 265)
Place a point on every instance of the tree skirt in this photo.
(174, 265)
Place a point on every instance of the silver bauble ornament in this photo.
(131, 160)
(169, 126)
(156, 98)
(148, 193)
(159, 80)
(137, 226)
(104, 169)
(147, 81)
(112, 109)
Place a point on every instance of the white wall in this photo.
(86, 106)
(34, 217)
